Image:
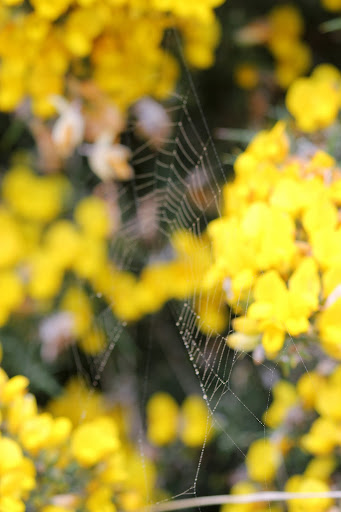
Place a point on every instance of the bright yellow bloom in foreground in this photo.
(280, 310)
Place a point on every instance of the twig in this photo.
(258, 497)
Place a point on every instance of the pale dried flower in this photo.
(65, 500)
(68, 130)
(110, 161)
(56, 333)
(103, 117)
(153, 122)
(100, 113)
(256, 32)
(258, 355)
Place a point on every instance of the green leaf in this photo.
(331, 25)
(23, 358)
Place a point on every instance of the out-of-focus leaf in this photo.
(21, 358)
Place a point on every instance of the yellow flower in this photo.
(196, 423)
(308, 388)
(100, 501)
(245, 487)
(11, 455)
(262, 239)
(94, 440)
(299, 483)
(242, 341)
(58, 36)
(93, 342)
(322, 214)
(92, 214)
(63, 240)
(45, 275)
(270, 145)
(321, 467)
(329, 326)
(212, 313)
(35, 433)
(314, 102)
(91, 257)
(331, 5)
(282, 310)
(32, 197)
(322, 438)
(112, 471)
(285, 398)
(77, 302)
(246, 76)
(50, 11)
(14, 296)
(11, 504)
(262, 461)
(162, 419)
(21, 408)
(11, 238)
(327, 402)
(13, 388)
(60, 431)
(286, 19)
(77, 402)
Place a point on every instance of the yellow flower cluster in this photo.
(266, 456)
(79, 403)
(292, 55)
(315, 101)
(132, 297)
(49, 465)
(42, 244)
(40, 247)
(281, 32)
(165, 420)
(276, 249)
(115, 43)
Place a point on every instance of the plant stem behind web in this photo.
(257, 497)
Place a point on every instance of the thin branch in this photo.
(257, 497)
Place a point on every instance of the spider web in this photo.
(179, 188)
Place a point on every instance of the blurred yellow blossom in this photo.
(126, 65)
(315, 101)
(166, 420)
(285, 398)
(262, 461)
(42, 454)
(246, 76)
(300, 483)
